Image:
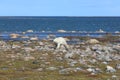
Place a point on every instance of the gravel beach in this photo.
(86, 59)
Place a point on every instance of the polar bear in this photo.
(61, 41)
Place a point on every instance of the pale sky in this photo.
(59, 7)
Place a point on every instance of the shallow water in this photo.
(46, 35)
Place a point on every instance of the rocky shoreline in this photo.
(28, 60)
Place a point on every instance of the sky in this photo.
(59, 7)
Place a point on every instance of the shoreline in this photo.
(50, 35)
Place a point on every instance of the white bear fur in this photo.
(61, 41)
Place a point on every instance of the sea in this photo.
(43, 26)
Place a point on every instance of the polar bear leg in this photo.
(58, 46)
(66, 46)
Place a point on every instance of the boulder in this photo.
(117, 66)
(29, 31)
(110, 69)
(92, 41)
(14, 35)
(34, 38)
(27, 58)
(62, 31)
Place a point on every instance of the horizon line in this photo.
(59, 16)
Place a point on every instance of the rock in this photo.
(47, 63)
(98, 70)
(92, 74)
(51, 36)
(94, 70)
(41, 44)
(27, 58)
(39, 69)
(91, 70)
(59, 58)
(110, 69)
(34, 38)
(62, 31)
(69, 55)
(88, 50)
(79, 69)
(99, 52)
(29, 31)
(4, 68)
(2, 43)
(114, 77)
(117, 66)
(16, 46)
(14, 35)
(93, 61)
(24, 37)
(28, 49)
(67, 71)
(104, 57)
(92, 41)
(107, 58)
(105, 62)
(100, 31)
(63, 71)
(51, 68)
(35, 62)
(117, 47)
(72, 63)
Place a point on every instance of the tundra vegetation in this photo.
(39, 60)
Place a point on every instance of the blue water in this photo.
(52, 24)
(12, 24)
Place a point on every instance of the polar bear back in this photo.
(60, 40)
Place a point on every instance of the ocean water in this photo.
(81, 26)
(11, 24)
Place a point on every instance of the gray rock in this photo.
(72, 63)
(110, 69)
(27, 58)
(79, 69)
(59, 58)
(93, 61)
(51, 68)
(107, 58)
(116, 47)
(114, 77)
(117, 66)
(39, 69)
(67, 71)
(69, 55)
(105, 62)
(91, 70)
(99, 52)
(94, 70)
(64, 71)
